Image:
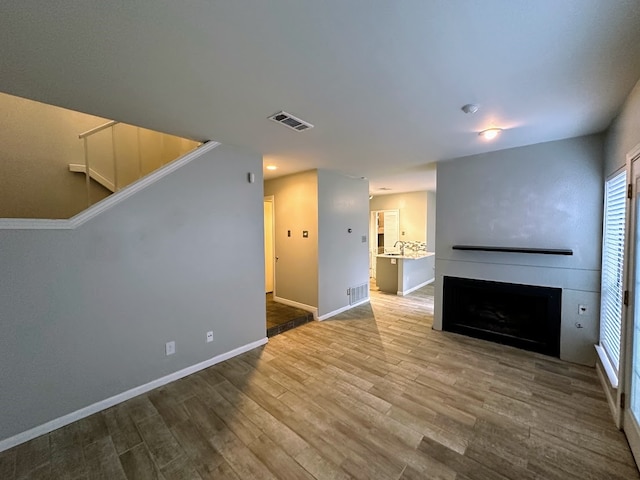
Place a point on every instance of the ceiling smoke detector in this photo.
(470, 108)
(288, 120)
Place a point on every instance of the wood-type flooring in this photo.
(374, 393)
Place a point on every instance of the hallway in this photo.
(281, 317)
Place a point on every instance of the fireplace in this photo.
(523, 316)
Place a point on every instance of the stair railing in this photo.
(84, 136)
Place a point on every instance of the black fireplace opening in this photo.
(523, 316)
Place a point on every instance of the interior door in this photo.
(384, 232)
(631, 412)
(391, 230)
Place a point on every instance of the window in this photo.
(612, 272)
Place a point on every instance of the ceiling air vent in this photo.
(290, 121)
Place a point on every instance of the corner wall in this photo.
(85, 313)
(431, 221)
(545, 195)
(624, 133)
(343, 257)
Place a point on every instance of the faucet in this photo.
(401, 246)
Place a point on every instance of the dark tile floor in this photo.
(281, 318)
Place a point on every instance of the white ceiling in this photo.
(382, 80)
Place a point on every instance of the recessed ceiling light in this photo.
(271, 167)
(470, 108)
(490, 133)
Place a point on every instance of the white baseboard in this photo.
(121, 397)
(302, 306)
(343, 309)
(423, 284)
(613, 408)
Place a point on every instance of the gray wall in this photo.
(85, 313)
(624, 133)
(343, 258)
(545, 195)
(431, 221)
(296, 209)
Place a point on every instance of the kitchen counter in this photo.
(409, 256)
(402, 274)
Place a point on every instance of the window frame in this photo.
(613, 274)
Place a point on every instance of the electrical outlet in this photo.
(209, 337)
(582, 309)
(170, 348)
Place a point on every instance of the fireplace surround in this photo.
(523, 316)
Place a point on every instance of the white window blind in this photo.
(612, 267)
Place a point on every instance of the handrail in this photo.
(97, 129)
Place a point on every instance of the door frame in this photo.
(271, 199)
(630, 425)
(373, 236)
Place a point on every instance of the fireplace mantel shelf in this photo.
(543, 251)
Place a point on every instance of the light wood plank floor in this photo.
(372, 394)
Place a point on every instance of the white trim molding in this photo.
(110, 201)
(408, 291)
(34, 224)
(633, 153)
(302, 306)
(343, 309)
(122, 397)
(101, 179)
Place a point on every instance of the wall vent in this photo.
(290, 121)
(358, 293)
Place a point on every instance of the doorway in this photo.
(280, 317)
(384, 232)
(269, 249)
